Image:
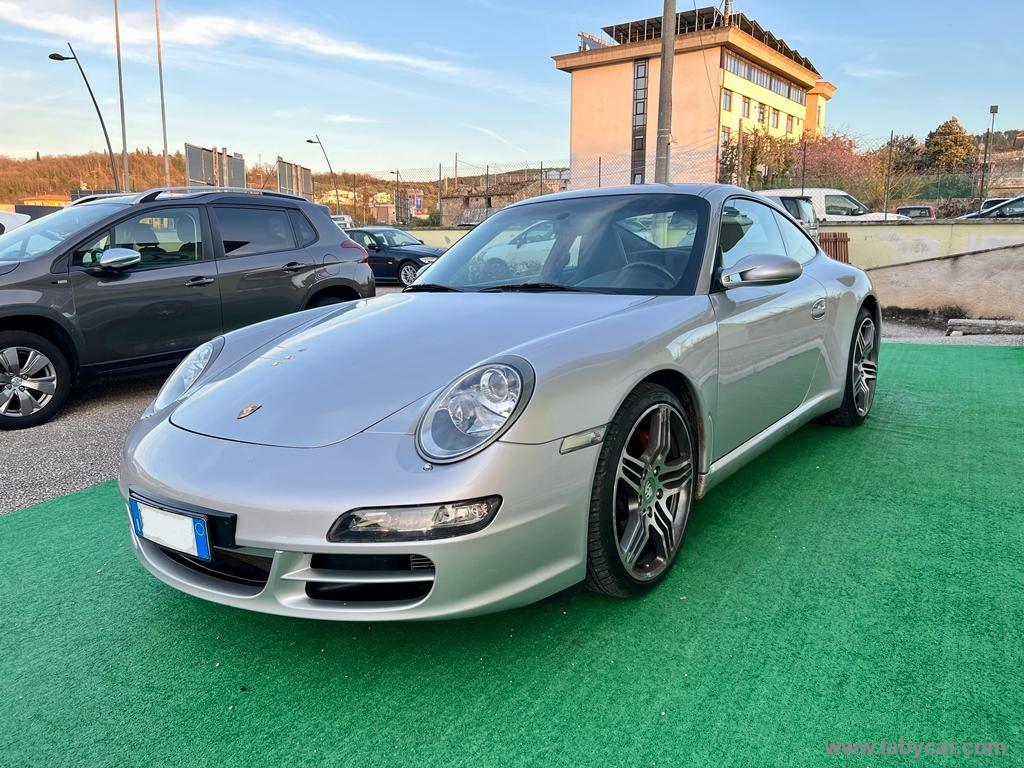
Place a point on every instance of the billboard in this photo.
(294, 179)
(213, 167)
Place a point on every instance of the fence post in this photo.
(888, 176)
(599, 170)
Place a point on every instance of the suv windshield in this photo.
(638, 243)
(39, 236)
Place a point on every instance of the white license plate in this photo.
(181, 532)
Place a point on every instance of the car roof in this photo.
(805, 191)
(710, 191)
(243, 196)
(378, 227)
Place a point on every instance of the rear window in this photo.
(799, 208)
(250, 231)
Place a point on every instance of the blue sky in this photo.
(411, 86)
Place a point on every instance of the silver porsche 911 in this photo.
(538, 411)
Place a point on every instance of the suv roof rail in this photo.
(152, 194)
(98, 196)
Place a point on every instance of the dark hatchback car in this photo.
(131, 282)
(395, 256)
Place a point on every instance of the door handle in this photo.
(294, 266)
(818, 309)
(197, 282)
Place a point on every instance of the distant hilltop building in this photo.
(730, 76)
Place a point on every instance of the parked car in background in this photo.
(800, 208)
(834, 204)
(343, 220)
(917, 211)
(128, 282)
(9, 221)
(991, 202)
(1012, 208)
(529, 432)
(395, 256)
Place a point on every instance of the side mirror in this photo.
(761, 269)
(420, 241)
(118, 258)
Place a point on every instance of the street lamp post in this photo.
(334, 180)
(120, 93)
(986, 177)
(110, 151)
(160, 75)
(398, 177)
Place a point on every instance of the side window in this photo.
(250, 231)
(162, 237)
(841, 205)
(305, 230)
(748, 227)
(362, 238)
(89, 254)
(798, 245)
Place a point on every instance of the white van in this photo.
(835, 204)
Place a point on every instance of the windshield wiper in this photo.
(431, 288)
(536, 287)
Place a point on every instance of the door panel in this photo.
(162, 308)
(261, 271)
(770, 342)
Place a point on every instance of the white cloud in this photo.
(497, 137)
(94, 25)
(349, 119)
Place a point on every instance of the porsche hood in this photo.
(331, 380)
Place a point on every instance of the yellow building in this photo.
(729, 75)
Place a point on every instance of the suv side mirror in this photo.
(761, 269)
(118, 258)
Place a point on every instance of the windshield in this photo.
(39, 236)
(641, 243)
(396, 238)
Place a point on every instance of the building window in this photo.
(745, 108)
(775, 118)
(762, 114)
(725, 135)
(638, 157)
(789, 123)
(726, 101)
(749, 71)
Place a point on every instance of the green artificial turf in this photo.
(852, 584)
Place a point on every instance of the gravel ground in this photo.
(81, 447)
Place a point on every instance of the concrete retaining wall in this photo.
(880, 243)
(984, 284)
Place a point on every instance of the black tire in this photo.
(402, 268)
(326, 300)
(606, 570)
(12, 389)
(849, 414)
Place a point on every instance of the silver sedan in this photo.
(534, 414)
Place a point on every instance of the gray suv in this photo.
(131, 282)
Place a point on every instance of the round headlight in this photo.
(187, 373)
(474, 410)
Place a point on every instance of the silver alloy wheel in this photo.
(865, 366)
(407, 274)
(28, 381)
(653, 489)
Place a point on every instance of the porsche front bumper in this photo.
(285, 500)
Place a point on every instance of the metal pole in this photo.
(120, 92)
(985, 176)
(397, 221)
(803, 169)
(160, 74)
(888, 173)
(334, 180)
(440, 210)
(103, 125)
(598, 170)
(668, 42)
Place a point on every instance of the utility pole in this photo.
(888, 176)
(160, 74)
(668, 45)
(993, 110)
(125, 185)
